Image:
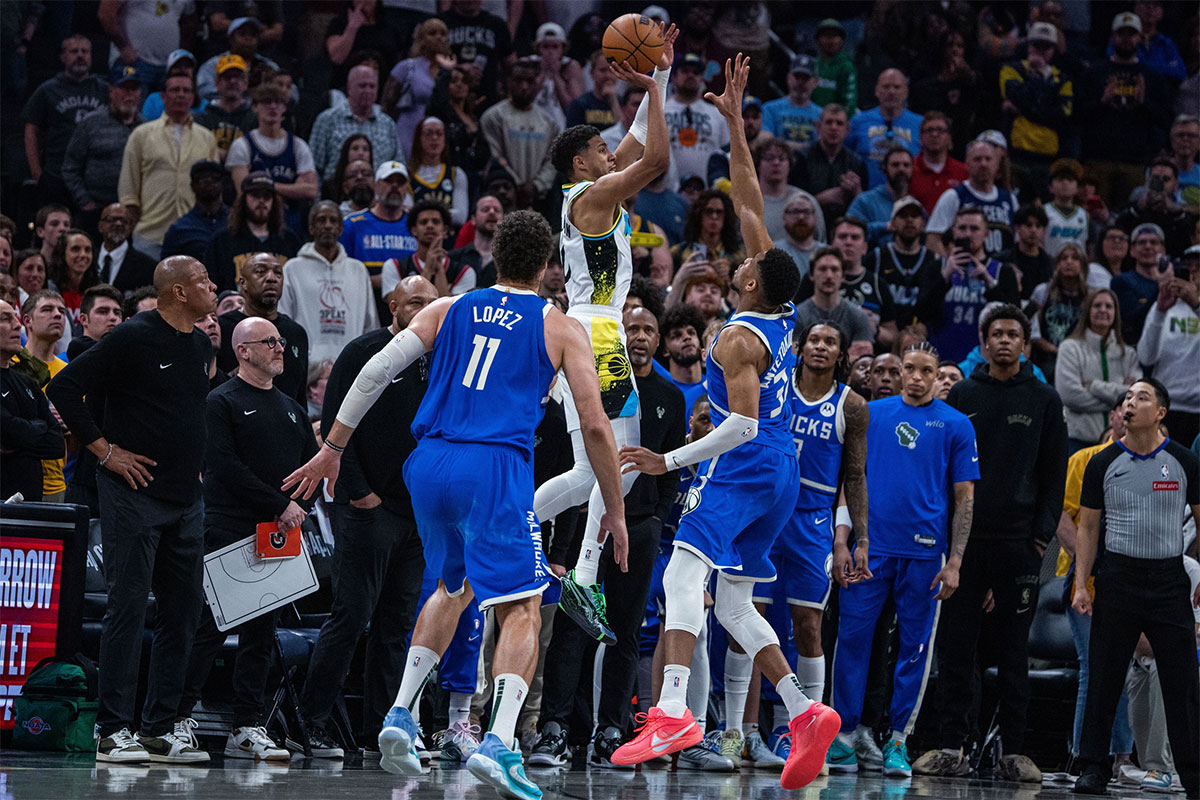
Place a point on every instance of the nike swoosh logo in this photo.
(248, 413)
(4, 395)
(514, 774)
(973, 460)
(819, 521)
(970, 416)
(397, 379)
(659, 745)
(164, 366)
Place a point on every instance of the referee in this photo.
(1143, 483)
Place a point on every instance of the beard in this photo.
(361, 196)
(800, 231)
(393, 201)
(685, 360)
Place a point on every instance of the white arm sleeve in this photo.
(729, 434)
(662, 77)
(377, 373)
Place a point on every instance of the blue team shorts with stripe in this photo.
(803, 555)
(474, 509)
(736, 508)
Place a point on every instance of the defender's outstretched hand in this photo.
(737, 73)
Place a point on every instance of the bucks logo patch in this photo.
(907, 435)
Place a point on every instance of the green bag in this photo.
(56, 709)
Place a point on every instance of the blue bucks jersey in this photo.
(819, 429)
(489, 373)
(774, 410)
(915, 454)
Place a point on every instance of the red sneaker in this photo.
(659, 735)
(812, 733)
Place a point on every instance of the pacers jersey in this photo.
(774, 408)
(440, 190)
(819, 430)
(489, 373)
(598, 271)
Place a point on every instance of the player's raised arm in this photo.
(745, 193)
(634, 141)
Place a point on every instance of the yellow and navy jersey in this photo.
(440, 190)
(598, 267)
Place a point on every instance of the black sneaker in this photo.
(604, 743)
(1091, 783)
(585, 605)
(319, 743)
(551, 749)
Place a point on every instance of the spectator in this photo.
(359, 31)
(519, 135)
(158, 156)
(1066, 222)
(886, 380)
(227, 115)
(145, 35)
(904, 265)
(665, 208)
(837, 77)
(934, 170)
(980, 191)
(1184, 152)
(631, 98)
(29, 272)
(1124, 106)
(434, 179)
(1038, 100)
(477, 256)
(243, 33)
(873, 132)
(428, 223)
(1017, 503)
(191, 234)
(455, 107)
(270, 15)
(706, 293)
(1158, 205)
(356, 148)
(711, 231)
(860, 373)
(91, 165)
(1055, 306)
(211, 327)
(150, 502)
(381, 232)
(773, 161)
(482, 44)
(52, 113)
(44, 318)
(1032, 264)
(793, 118)
(361, 114)
(827, 301)
(648, 247)
(948, 374)
(598, 106)
(30, 431)
(799, 224)
(341, 286)
(255, 226)
(874, 206)
(1137, 289)
(1112, 259)
(179, 62)
(120, 264)
(970, 278)
(285, 157)
(952, 90)
(1171, 347)
(1095, 367)
(560, 78)
(696, 128)
(860, 286)
(318, 379)
(10, 289)
(51, 222)
(1156, 50)
(410, 84)
(72, 270)
(144, 299)
(684, 360)
(830, 170)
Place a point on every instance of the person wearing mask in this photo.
(904, 265)
(520, 134)
(1170, 345)
(874, 206)
(934, 170)
(1027, 257)
(30, 430)
(831, 170)
(1137, 289)
(793, 118)
(153, 371)
(477, 256)
(891, 122)
(1055, 307)
(799, 225)
(229, 112)
(978, 191)
(361, 114)
(119, 263)
(255, 226)
(382, 232)
(91, 164)
(695, 127)
(243, 34)
(827, 302)
(256, 436)
(190, 234)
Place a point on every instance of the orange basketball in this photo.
(636, 39)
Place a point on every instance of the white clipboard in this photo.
(240, 586)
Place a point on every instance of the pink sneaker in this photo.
(659, 735)
(812, 733)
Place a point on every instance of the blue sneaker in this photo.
(895, 760)
(398, 743)
(841, 757)
(502, 769)
(780, 742)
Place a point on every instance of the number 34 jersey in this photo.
(489, 373)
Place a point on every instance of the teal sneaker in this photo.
(841, 757)
(398, 743)
(502, 769)
(585, 605)
(895, 760)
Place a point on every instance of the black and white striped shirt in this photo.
(1145, 498)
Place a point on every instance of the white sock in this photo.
(899, 736)
(811, 674)
(460, 708)
(588, 564)
(673, 700)
(420, 663)
(510, 696)
(793, 696)
(738, 668)
(846, 738)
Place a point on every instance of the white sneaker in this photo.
(171, 749)
(254, 743)
(185, 730)
(869, 756)
(121, 747)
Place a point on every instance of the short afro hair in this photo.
(1005, 311)
(682, 315)
(521, 247)
(779, 276)
(421, 206)
(570, 143)
(650, 295)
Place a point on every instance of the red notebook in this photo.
(271, 542)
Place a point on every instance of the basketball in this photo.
(636, 39)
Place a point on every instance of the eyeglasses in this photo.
(271, 341)
(1116, 237)
(935, 129)
(797, 212)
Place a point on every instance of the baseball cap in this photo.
(690, 60)
(750, 100)
(657, 13)
(1043, 32)
(230, 61)
(389, 168)
(1066, 167)
(127, 74)
(803, 65)
(207, 168)
(830, 24)
(907, 201)
(498, 172)
(550, 32)
(993, 136)
(240, 21)
(259, 180)
(692, 180)
(1147, 227)
(1194, 250)
(1127, 19)
(180, 55)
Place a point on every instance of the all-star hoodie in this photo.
(332, 301)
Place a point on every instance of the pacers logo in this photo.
(613, 367)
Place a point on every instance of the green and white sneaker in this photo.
(841, 757)
(585, 605)
(121, 747)
(172, 749)
(755, 753)
(895, 760)
(730, 746)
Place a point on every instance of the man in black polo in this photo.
(1144, 484)
(153, 371)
